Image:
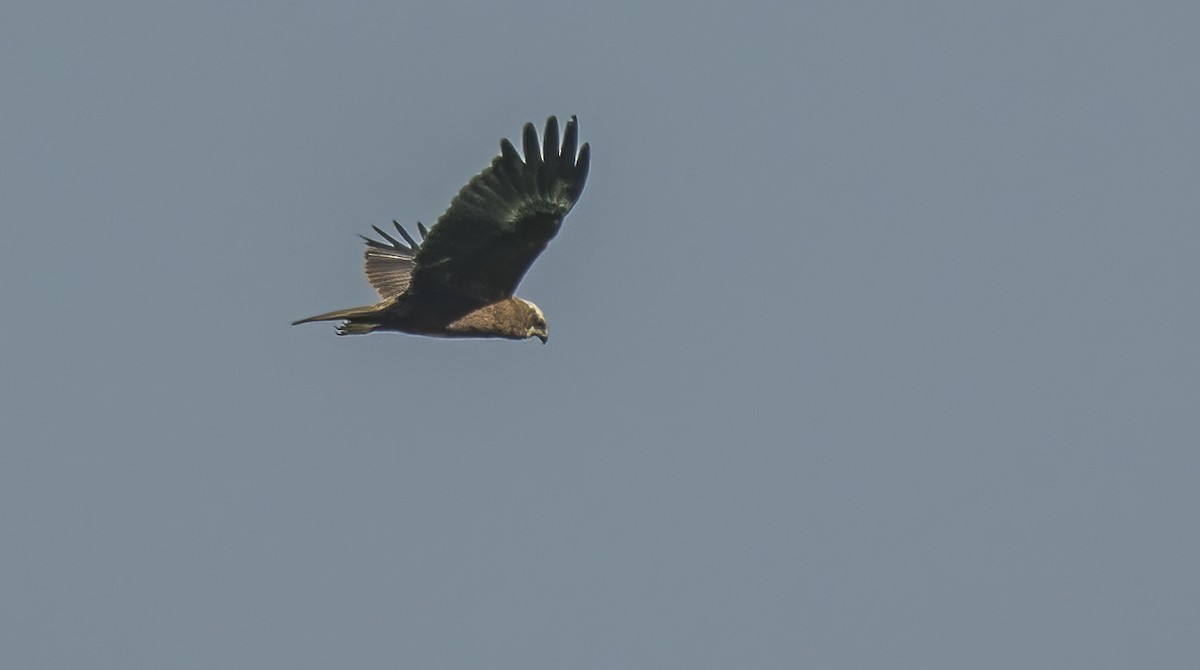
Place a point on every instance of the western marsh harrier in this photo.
(458, 281)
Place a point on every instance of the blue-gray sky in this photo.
(873, 339)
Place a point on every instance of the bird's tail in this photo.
(358, 320)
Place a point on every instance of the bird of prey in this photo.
(458, 281)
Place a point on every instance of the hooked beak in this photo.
(543, 337)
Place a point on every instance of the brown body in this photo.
(513, 319)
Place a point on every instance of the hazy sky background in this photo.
(873, 339)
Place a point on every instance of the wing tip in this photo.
(529, 140)
(582, 163)
(550, 146)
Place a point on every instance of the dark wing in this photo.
(500, 221)
(389, 264)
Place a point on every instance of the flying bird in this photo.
(458, 281)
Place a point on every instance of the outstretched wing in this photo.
(503, 218)
(389, 264)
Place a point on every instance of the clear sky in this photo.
(873, 339)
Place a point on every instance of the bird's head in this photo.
(537, 323)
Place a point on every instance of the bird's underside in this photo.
(458, 280)
(510, 318)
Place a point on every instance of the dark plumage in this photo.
(458, 281)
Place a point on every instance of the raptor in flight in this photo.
(458, 281)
